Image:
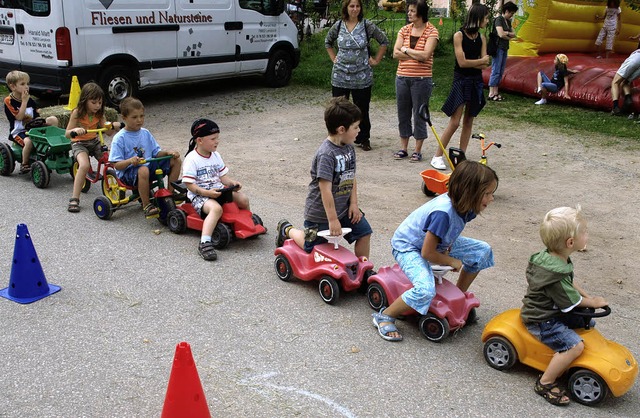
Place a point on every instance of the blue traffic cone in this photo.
(27, 283)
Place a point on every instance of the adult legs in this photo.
(497, 71)
(403, 103)
(362, 99)
(420, 94)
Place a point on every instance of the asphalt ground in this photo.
(131, 290)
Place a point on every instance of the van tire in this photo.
(279, 69)
(118, 83)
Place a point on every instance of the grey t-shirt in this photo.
(506, 26)
(336, 164)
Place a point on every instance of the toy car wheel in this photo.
(166, 205)
(7, 163)
(222, 236)
(472, 318)
(434, 328)
(364, 286)
(499, 353)
(256, 219)
(87, 184)
(103, 208)
(426, 190)
(110, 186)
(283, 268)
(177, 221)
(376, 296)
(40, 174)
(587, 387)
(329, 290)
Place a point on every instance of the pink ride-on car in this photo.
(234, 223)
(450, 310)
(331, 264)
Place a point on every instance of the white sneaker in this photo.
(541, 102)
(438, 163)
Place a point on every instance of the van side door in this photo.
(207, 39)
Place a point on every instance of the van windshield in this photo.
(32, 7)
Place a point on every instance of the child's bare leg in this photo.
(174, 172)
(241, 200)
(363, 246)
(297, 235)
(539, 77)
(559, 363)
(26, 150)
(83, 168)
(52, 121)
(214, 212)
(143, 185)
(465, 279)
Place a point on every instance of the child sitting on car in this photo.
(552, 294)
(204, 174)
(332, 201)
(21, 109)
(134, 144)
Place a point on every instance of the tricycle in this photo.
(50, 153)
(115, 193)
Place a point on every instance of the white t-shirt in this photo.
(204, 171)
(611, 17)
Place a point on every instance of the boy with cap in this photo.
(204, 174)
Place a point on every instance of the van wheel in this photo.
(279, 69)
(118, 83)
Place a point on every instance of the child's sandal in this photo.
(151, 211)
(552, 393)
(74, 205)
(24, 169)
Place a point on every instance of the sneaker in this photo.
(631, 116)
(438, 163)
(207, 251)
(541, 102)
(282, 232)
(616, 111)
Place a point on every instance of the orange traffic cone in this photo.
(185, 397)
(440, 22)
(74, 94)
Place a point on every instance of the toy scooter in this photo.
(603, 367)
(450, 310)
(234, 222)
(331, 264)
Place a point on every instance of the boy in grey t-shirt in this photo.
(332, 202)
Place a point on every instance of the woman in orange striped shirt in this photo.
(414, 51)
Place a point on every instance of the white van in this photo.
(126, 45)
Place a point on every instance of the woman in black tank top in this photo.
(466, 97)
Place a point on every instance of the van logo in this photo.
(106, 3)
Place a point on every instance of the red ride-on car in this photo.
(331, 264)
(450, 310)
(234, 223)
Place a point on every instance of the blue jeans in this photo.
(359, 230)
(555, 334)
(475, 255)
(498, 65)
(411, 93)
(547, 84)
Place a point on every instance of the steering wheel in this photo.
(591, 312)
(333, 239)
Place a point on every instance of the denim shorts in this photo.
(555, 334)
(547, 84)
(359, 230)
(130, 176)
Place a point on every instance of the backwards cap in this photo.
(204, 127)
